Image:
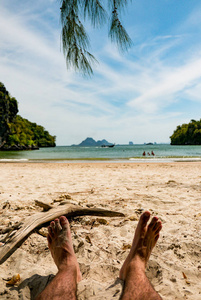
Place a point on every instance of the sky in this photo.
(140, 96)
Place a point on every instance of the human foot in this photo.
(61, 246)
(145, 239)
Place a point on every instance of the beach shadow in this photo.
(117, 287)
(31, 287)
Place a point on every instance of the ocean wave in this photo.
(13, 159)
(165, 159)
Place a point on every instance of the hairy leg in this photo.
(64, 284)
(136, 284)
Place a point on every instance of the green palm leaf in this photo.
(74, 37)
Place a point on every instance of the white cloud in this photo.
(176, 80)
(130, 97)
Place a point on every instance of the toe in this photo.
(66, 227)
(50, 232)
(52, 225)
(153, 222)
(158, 227)
(64, 222)
(144, 218)
(58, 227)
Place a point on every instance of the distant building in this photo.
(130, 143)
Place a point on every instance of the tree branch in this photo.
(40, 219)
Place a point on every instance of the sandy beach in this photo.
(170, 191)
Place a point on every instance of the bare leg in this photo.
(64, 284)
(136, 284)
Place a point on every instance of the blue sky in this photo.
(140, 96)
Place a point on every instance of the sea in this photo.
(119, 153)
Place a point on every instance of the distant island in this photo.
(187, 134)
(89, 142)
(17, 133)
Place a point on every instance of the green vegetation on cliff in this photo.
(187, 134)
(26, 133)
(17, 133)
(8, 111)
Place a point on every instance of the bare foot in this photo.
(61, 246)
(144, 241)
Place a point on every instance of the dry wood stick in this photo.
(41, 218)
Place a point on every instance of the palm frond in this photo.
(80, 59)
(119, 4)
(117, 32)
(74, 37)
(94, 11)
(67, 8)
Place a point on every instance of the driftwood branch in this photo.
(45, 206)
(43, 218)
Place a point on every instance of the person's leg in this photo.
(64, 284)
(136, 284)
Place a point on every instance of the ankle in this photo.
(67, 268)
(67, 263)
(136, 264)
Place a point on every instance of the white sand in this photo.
(169, 190)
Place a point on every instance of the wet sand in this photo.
(170, 191)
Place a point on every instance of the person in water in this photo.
(136, 284)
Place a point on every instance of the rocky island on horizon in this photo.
(90, 142)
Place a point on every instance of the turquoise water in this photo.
(163, 152)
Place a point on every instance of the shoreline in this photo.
(163, 153)
(104, 160)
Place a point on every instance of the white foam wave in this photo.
(165, 159)
(13, 159)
